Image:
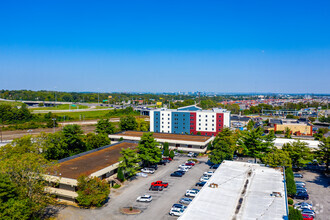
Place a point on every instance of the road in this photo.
(126, 195)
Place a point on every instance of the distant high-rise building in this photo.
(189, 120)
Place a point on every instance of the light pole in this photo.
(54, 119)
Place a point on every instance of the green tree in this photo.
(294, 214)
(199, 133)
(172, 154)
(299, 153)
(128, 123)
(253, 143)
(92, 191)
(250, 125)
(142, 125)
(55, 146)
(277, 158)
(287, 133)
(165, 146)
(51, 123)
(290, 183)
(73, 137)
(96, 140)
(320, 133)
(323, 153)
(221, 151)
(120, 174)
(149, 153)
(105, 126)
(129, 161)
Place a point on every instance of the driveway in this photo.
(126, 195)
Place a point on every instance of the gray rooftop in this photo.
(253, 184)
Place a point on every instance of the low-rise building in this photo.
(239, 190)
(193, 143)
(297, 127)
(101, 162)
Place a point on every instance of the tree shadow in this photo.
(52, 211)
(321, 179)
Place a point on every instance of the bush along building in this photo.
(189, 120)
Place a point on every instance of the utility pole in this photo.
(54, 119)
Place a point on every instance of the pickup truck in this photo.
(160, 183)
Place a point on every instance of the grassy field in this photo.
(84, 115)
(11, 103)
(61, 107)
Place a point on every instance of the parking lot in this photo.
(162, 200)
(318, 191)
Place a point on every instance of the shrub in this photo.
(290, 201)
(121, 139)
(116, 186)
(171, 154)
(294, 214)
(166, 153)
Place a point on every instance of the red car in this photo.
(307, 217)
(160, 183)
(167, 158)
(190, 164)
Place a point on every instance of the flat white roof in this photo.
(278, 142)
(223, 202)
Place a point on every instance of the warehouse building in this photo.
(189, 120)
(101, 162)
(239, 190)
(188, 143)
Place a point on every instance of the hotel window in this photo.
(212, 124)
(200, 129)
(205, 124)
(200, 116)
(162, 126)
(212, 129)
(168, 127)
(199, 123)
(212, 120)
(205, 119)
(162, 114)
(212, 116)
(162, 122)
(199, 120)
(168, 114)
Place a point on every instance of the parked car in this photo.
(167, 158)
(299, 188)
(154, 166)
(307, 217)
(180, 171)
(177, 174)
(162, 162)
(190, 164)
(176, 212)
(196, 190)
(215, 166)
(142, 174)
(160, 183)
(308, 212)
(185, 200)
(190, 154)
(300, 182)
(184, 166)
(202, 183)
(209, 173)
(303, 205)
(179, 206)
(301, 195)
(144, 198)
(148, 170)
(156, 188)
(195, 155)
(191, 193)
(204, 179)
(298, 175)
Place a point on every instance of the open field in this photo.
(61, 107)
(13, 103)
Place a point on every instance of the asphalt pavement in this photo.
(126, 195)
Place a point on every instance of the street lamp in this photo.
(54, 119)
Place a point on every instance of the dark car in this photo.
(156, 188)
(195, 154)
(202, 183)
(181, 171)
(298, 175)
(215, 166)
(162, 162)
(179, 206)
(177, 174)
(301, 195)
(154, 166)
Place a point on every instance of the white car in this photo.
(142, 174)
(209, 173)
(144, 198)
(184, 166)
(190, 154)
(183, 169)
(191, 193)
(148, 170)
(176, 212)
(204, 179)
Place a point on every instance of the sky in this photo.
(166, 46)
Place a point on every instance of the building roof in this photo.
(91, 161)
(167, 136)
(244, 192)
(194, 109)
(279, 142)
